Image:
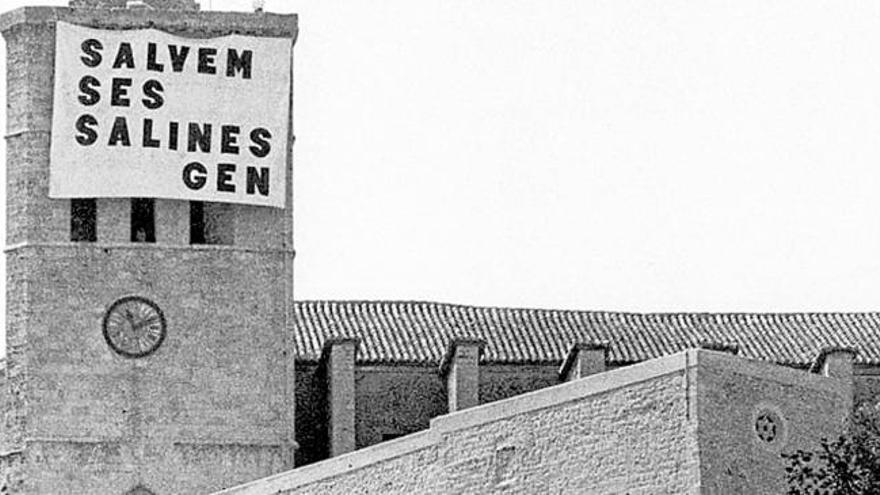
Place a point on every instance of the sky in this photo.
(605, 154)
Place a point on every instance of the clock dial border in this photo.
(140, 300)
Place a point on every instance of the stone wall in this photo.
(632, 439)
(121, 4)
(10, 458)
(630, 430)
(12, 474)
(212, 395)
(214, 405)
(311, 414)
(502, 381)
(866, 385)
(684, 423)
(395, 400)
(751, 411)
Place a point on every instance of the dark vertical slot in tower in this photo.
(143, 224)
(83, 217)
(196, 222)
(211, 223)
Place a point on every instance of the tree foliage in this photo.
(848, 465)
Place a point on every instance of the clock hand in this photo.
(129, 318)
(148, 321)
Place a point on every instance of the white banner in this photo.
(142, 113)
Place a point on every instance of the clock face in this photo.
(134, 326)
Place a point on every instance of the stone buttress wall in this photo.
(751, 411)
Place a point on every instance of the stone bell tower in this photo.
(148, 340)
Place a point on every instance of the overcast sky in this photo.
(617, 154)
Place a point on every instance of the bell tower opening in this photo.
(83, 220)
(211, 223)
(143, 220)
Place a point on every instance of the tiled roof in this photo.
(418, 332)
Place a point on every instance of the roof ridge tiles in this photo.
(422, 302)
(413, 331)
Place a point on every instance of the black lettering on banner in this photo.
(151, 59)
(119, 92)
(91, 48)
(119, 133)
(241, 63)
(124, 57)
(87, 136)
(261, 180)
(153, 94)
(149, 141)
(261, 146)
(224, 177)
(178, 57)
(229, 139)
(87, 87)
(173, 129)
(206, 60)
(195, 175)
(199, 136)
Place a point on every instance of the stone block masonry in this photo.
(584, 359)
(214, 406)
(670, 425)
(751, 411)
(461, 367)
(121, 4)
(338, 360)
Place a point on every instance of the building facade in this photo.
(211, 382)
(229, 381)
(697, 421)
